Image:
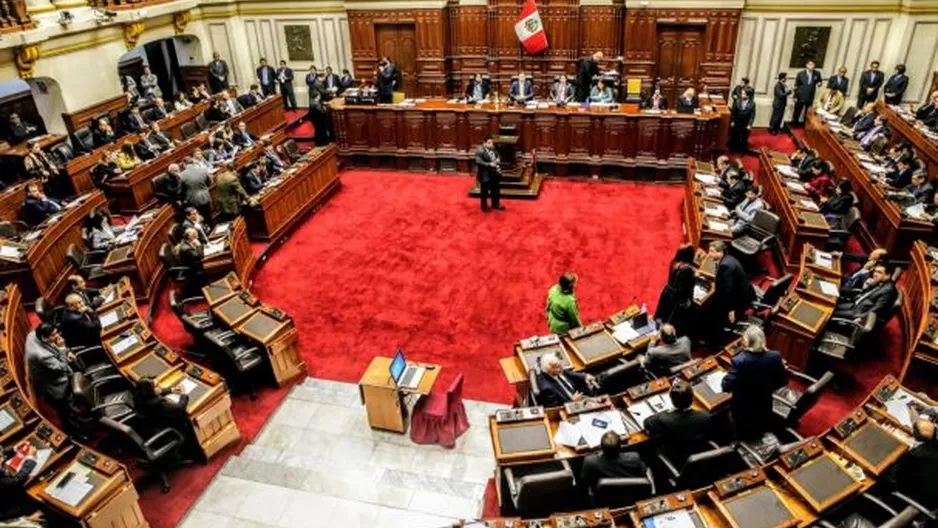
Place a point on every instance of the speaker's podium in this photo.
(519, 178)
(383, 398)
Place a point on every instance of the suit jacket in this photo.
(166, 188)
(81, 329)
(161, 140)
(838, 204)
(864, 123)
(244, 139)
(36, 210)
(927, 114)
(515, 92)
(662, 357)
(877, 299)
(271, 75)
(839, 82)
(48, 368)
(872, 80)
(743, 117)
(752, 379)
(562, 94)
(285, 78)
(485, 157)
(588, 69)
(834, 105)
(552, 394)
(899, 178)
(159, 112)
(734, 194)
(471, 87)
(101, 138)
(924, 193)
(145, 151)
(346, 82)
(229, 193)
(200, 229)
(332, 82)
(914, 474)
(649, 102)
(806, 86)
(191, 256)
(194, 185)
(780, 95)
(738, 89)
(687, 105)
(136, 122)
(91, 296)
(598, 466)
(680, 433)
(895, 88)
(733, 291)
(252, 182)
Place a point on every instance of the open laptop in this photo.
(643, 325)
(404, 375)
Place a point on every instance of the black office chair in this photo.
(195, 322)
(624, 374)
(189, 130)
(849, 116)
(534, 392)
(842, 228)
(83, 140)
(158, 448)
(201, 122)
(842, 337)
(758, 453)
(702, 469)
(620, 492)
(13, 230)
(62, 153)
(539, 489)
(789, 404)
(765, 304)
(292, 149)
(757, 236)
(106, 397)
(235, 358)
(94, 363)
(870, 511)
(47, 312)
(84, 262)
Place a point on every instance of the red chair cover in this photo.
(440, 417)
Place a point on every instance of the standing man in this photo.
(266, 76)
(840, 81)
(870, 82)
(331, 84)
(756, 372)
(742, 114)
(895, 86)
(743, 87)
(562, 311)
(345, 81)
(779, 103)
(488, 172)
(150, 84)
(194, 184)
(217, 73)
(732, 291)
(285, 78)
(387, 79)
(589, 68)
(313, 83)
(805, 89)
(47, 363)
(522, 90)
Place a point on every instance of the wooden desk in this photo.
(906, 127)
(523, 440)
(303, 188)
(383, 399)
(867, 443)
(237, 255)
(801, 222)
(797, 325)
(883, 224)
(822, 482)
(443, 136)
(112, 500)
(43, 268)
(11, 201)
(593, 344)
(140, 260)
(20, 150)
(813, 277)
(918, 318)
(700, 226)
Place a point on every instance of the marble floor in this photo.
(316, 463)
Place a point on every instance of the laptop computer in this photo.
(404, 375)
(643, 325)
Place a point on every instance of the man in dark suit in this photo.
(732, 292)
(742, 115)
(920, 191)
(488, 172)
(864, 120)
(285, 79)
(914, 474)
(895, 87)
(755, 373)
(611, 462)
(331, 84)
(878, 296)
(91, 296)
(314, 87)
(345, 81)
(80, 324)
(242, 137)
(928, 113)
(48, 363)
(870, 83)
(218, 73)
(656, 100)
(267, 78)
(522, 89)
(682, 431)
(477, 90)
(160, 110)
(743, 86)
(667, 352)
(159, 138)
(20, 130)
(839, 82)
(779, 103)
(135, 120)
(189, 253)
(166, 186)
(37, 207)
(806, 83)
(557, 386)
(387, 80)
(146, 149)
(589, 68)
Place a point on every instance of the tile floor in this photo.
(317, 464)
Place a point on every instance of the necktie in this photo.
(864, 296)
(565, 385)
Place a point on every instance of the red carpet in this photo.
(408, 261)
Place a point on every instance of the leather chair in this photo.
(870, 511)
(236, 359)
(702, 469)
(83, 140)
(758, 235)
(539, 489)
(534, 392)
(766, 303)
(158, 449)
(621, 376)
(107, 397)
(94, 363)
(201, 122)
(195, 323)
(619, 492)
(47, 312)
(150, 115)
(292, 149)
(841, 229)
(849, 116)
(82, 260)
(244, 100)
(62, 153)
(842, 336)
(758, 453)
(13, 230)
(189, 130)
(789, 404)
(176, 273)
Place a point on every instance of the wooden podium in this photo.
(519, 180)
(383, 399)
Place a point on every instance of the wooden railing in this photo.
(13, 16)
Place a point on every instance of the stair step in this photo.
(529, 191)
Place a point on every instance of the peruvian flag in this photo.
(530, 30)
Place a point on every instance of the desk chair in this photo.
(189, 130)
(47, 312)
(869, 511)
(539, 489)
(83, 140)
(842, 228)
(107, 397)
(619, 492)
(235, 358)
(94, 363)
(201, 122)
(621, 376)
(159, 447)
(440, 418)
(85, 262)
(701, 469)
(176, 272)
(849, 116)
(62, 153)
(757, 236)
(766, 303)
(789, 404)
(842, 337)
(13, 230)
(758, 453)
(292, 149)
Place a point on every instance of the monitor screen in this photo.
(398, 365)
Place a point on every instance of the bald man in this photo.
(558, 387)
(80, 324)
(914, 474)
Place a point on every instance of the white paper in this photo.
(111, 294)
(72, 493)
(6, 419)
(671, 519)
(795, 186)
(898, 406)
(786, 170)
(659, 403)
(124, 344)
(187, 385)
(9, 252)
(713, 191)
(173, 397)
(32, 235)
(716, 210)
(876, 169)
(808, 204)
(623, 332)
(214, 248)
(709, 179)
(717, 225)
(700, 292)
(567, 434)
(640, 412)
(822, 258)
(829, 288)
(221, 229)
(916, 211)
(109, 318)
(714, 380)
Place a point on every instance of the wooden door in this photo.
(399, 41)
(680, 51)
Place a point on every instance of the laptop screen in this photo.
(640, 321)
(398, 366)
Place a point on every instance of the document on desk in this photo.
(716, 225)
(716, 210)
(714, 380)
(32, 235)
(6, 419)
(824, 259)
(10, 252)
(828, 288)
(709, 179)
(672, 519)
(568, 435)
(899, 406)
(795, 186)
(640, 412)
(221, 229)
(700, 292)
(808, 204)
(214, 248)
(109, 318)
(713, 191)
(124, 344)
(872, 167)
(787, 170)
(659, 403)
(188, 385)
(75, 490)
(623, 332)
(916, 211)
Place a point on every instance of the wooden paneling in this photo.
(83, 116)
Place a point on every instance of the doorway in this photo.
(399, 42)
(680, 51)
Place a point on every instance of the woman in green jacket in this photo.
(562, 311)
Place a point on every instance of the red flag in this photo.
(530, 30)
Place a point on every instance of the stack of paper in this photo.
(828, 288)
(75, 490)
(899, 406)
(808, 204)
(716, 210)
(823, 258)
(109, 318)
(6, 419)
(124, 344)
(10, 252)
(709, 179)
(795, 186)
(650, 406)
(214, 248)
(714, 380)
(716, 225)
(587, 431)
(712, 191)
(874, 168)
(787, 170)
(623, 332)
(916, 211)
(700, 292)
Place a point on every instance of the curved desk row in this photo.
(705, 217)
(11, 201)
(99, 493)
(907, 128)
(920, 317)
(442, 135)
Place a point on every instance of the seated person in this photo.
(180, 103)
(872, 134)
(682, 431)
(735, 191)
(160, 138)
(98, 232)
(899, 174)
(48, 364)
(106, 170)
(135, 121)
(666, 351)
(840, 202)
(928, 113)
(821, 184)
(167, 187)
(477, 89)
(522, 89)
(160, 110)
(164, 407)
(285, 156)
(864, 119)
(601, 93)
(127, 159)
(38, 164)
(802, 159)
(193, 220)
(146, 149)
(80, 324)
(242, 137)
(855, 281)
(13, 499)
(914, 473)
(656, 100)
(688, 101)
(252, 180)
(563, 91)
(20, 130)
(729, 166)
(37, 207)
(255, 95)
(200, 159)
(558, 386)
(91, 296)
(275, 160)
(920, 191)
(831, 100)
(877, 295)
(229, 106)
(189, 253)
(103, 134)
(611, 462)
(746, 210)
(754, 375)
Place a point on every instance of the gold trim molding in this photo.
(26, 57)
(132, 34)
(180, 20)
